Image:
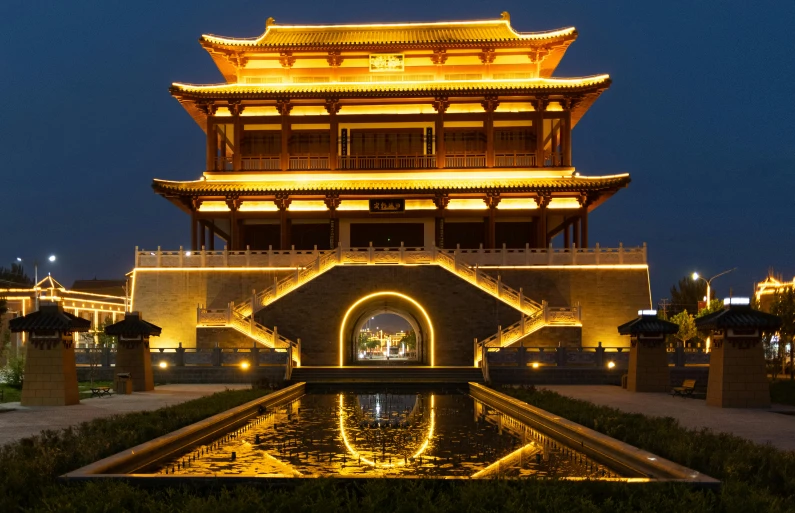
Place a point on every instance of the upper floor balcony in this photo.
(274, 148)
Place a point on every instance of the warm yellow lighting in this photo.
(354, 205)
(560, 203)
(576, 266)
(244, 365)
(611, 365)
(420, 204)
(258, 206)
(535, 365)
(163, 365)
(517, 204)
(220, 269)
(492, 177)
(467, 204)
(308, 206)
(343, 326)
(214, 206)
(426, 441)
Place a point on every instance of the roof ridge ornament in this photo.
(505, 15)
(270, 22)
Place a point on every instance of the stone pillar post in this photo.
(132, 355)
(648, 359)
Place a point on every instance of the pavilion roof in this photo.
(648, 325)
(133, 325)
(495, 31)
(49, 317)
(392, 89)
(390, 182)
(738, 316)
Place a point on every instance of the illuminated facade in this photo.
(426, 134)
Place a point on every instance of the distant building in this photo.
(765, 290)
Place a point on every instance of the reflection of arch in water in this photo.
(387, 302)
(423, 447)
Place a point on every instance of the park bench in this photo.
(101, 391)
(686, 390)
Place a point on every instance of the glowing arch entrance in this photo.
(386, 302)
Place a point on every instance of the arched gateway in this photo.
(386, 302)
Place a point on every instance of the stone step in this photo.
(371, 374)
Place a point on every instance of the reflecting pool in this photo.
(423, 433)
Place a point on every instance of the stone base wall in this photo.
(50, 376)
(648, 368)
(553, 336)
(207, 338)
(169, 298)
(738, 378)
(609, 296)
(138, 362)
(231, 374)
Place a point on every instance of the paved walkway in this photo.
(18, 422)
(760, 426)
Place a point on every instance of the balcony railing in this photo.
(465, 160)
(261, 162)
(308, 162)
(386, 162)
(514, 159)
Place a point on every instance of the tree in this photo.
(686, 294)
(410, 339)
(687, 326)
(784, 307)
(714, 305)
(15, 275)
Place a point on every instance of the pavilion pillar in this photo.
(576, 228)
(203, 228)
(332, 203)
(538, 120)
(490, 105)
(194, 231)
(566, 135)
(212, 144)
(235, 108)
(566, 234)
(333, 107)
(212, 235)
(542, 200)
(233, 202)
(441, 201)
(283, 202)
(284, 107)
(492, 200)
(584, 223)
(440, 105)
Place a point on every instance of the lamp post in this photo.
(697, 276)
(51, 259)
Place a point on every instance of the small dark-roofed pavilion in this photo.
(50, 371)
(737, 373)
(648, 360)
(133, 355)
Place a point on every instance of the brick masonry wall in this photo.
(138, 362)
(50, 376)
(648, 368)
(169, 298)
(609, 297)
(738, 378)
(459, 311)
(206, 338)
(549, 336)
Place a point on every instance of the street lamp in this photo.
(51, 259)
(697, 276)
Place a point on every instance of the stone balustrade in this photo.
(501, 257)
(188, 357)
(584, 356)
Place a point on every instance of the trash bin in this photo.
(123, 383)
(624, 379)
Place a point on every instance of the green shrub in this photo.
(33, 463)
(14, 371)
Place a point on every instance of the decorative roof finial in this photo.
(270, 21)
(505, 15)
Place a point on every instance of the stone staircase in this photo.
(371, 374)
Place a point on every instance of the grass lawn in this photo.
(9, 394)
(12, 395)
(755, 479)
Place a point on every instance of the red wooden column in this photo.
(332, 203)
(542, 200)
(576, 238)
(538, 120)
(566, 128)
(284, 107)
(490, 104)
(585, 202)
(283, 202)
(492, 199)
(440, 105)
(332, 107)
(441, 201)
(233, 202)
(235, 108)
(193, 204)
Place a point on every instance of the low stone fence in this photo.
(597, 357)
(194, 357)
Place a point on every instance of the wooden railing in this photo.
(514, 159)
(417, 161)
(261, 163)
(309, 162)
(464, 160)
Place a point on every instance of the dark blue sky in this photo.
(700, 114)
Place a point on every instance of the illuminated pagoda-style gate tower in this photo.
(443, 134)
(440, 151)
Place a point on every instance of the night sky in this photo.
(700, 113)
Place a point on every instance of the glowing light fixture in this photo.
(736, 301)
(643, 313)
(163, 365)
(244, 365)
(611, 365)
(51, 258)
(536, 365)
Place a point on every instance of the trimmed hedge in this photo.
(31, 464)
